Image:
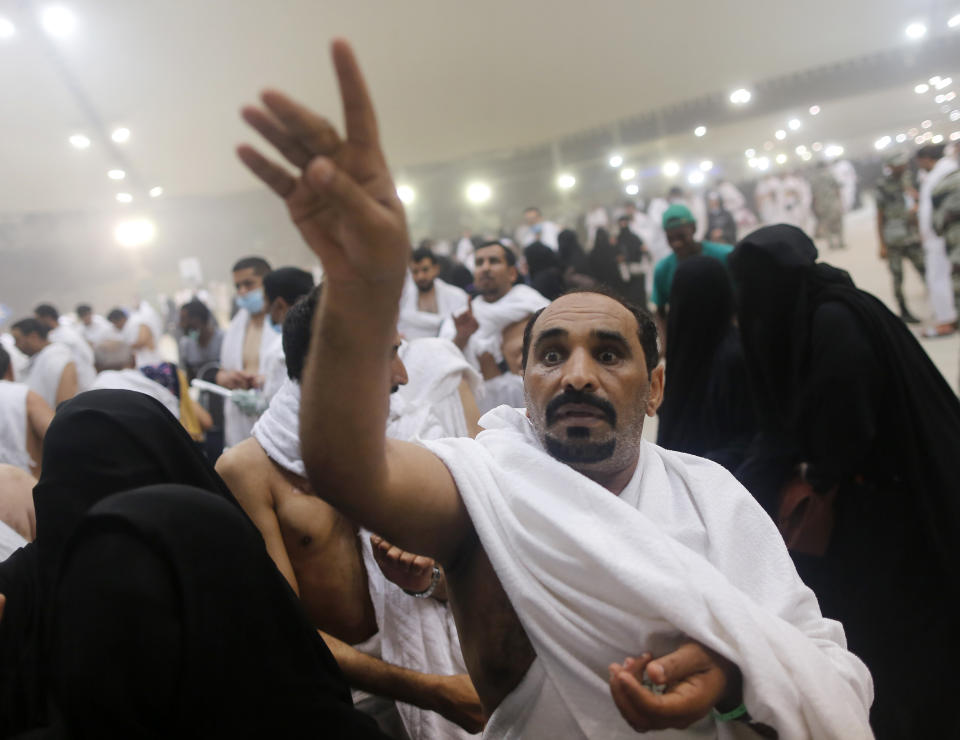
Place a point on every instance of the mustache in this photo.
(582, 397)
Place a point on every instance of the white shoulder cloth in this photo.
(684, 551)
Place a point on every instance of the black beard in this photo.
(579, 452)
(426, 289)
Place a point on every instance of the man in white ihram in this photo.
(568, 542)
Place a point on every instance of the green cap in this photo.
(677, 215)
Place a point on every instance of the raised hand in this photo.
(341, 197)
(466, 325)
(406, 569)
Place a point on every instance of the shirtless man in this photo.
(344, 202)
(22, 412)
(319, 553)
(52, 373)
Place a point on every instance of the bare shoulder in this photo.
(246, 469)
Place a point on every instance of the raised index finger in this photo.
(360, 120)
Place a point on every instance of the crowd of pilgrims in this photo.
(125, 614)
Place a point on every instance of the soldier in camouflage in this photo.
(946, 222)
(827, 206)
(897, 226)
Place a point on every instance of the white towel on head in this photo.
(278, 429)
(683, 551)
(416, 324)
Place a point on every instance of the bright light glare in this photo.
(79, 141)
(882, 143)
(806, 156)
(632, 189)
(938, 139)
(696, 177)
(816, 146)
(753, 162)
(116, 174)
(926, 124)
(478, 192)
(800, 149)
(916, 31)
(700, 131)
(833, 151)
(943, 82)
(706, 165)
(955, 115)
(740, 96)
(780, 134)
(763, 163)
(921, 88)
(124, 198)
(901, 138)
(949, 96)
(7, 29)
(794, 124)
(814, 110)
(615, 161)
(156, 192)
(121, 135)
(628, 173)
(670, 168)
(135, 232)
(955, 136)
(406, 194)
(750, 153)
(58, 21)
(954, 21)
(566, 181)
(781, 159)
(939, 99)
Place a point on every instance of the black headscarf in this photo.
(780, 288)
(570, 251)
(546, 274)
(706, 406)
(603, 265)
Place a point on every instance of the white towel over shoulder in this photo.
(416, 324)
(684, 551)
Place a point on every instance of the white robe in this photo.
(45, 369)
(683, 552)
(134, 380)
(99, 330)
(416, 324)
(768, 196)
(81, 351)
(131, 333)
(846, 176)
(938, 265)
(18, 360)
(237, 425)
(10, 541)
(548, 234)
(13, 425)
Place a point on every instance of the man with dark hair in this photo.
(939, 284)
(51, 372)
(536, 229)
(24, 418)
(427, 300)
(141, 330)
(568, 542)
(95, 327)
(283, 288)
(247, 347)
(63, 333)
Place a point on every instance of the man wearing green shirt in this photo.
(680, 226)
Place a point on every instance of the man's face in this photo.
(398, 371)
(246, 280)
(897, 170)
(86, 318)
(29, 344)
(586, 383)
(190, 323)
(119, 323)
(681, 240)
(424, 273)
(47, 321)
(925, 163)
(492, 275)
(531, 217)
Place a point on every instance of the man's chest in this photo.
(251, 348)
(427, 302)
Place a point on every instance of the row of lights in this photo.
(918, 29)
(56, 20)
(119, 135)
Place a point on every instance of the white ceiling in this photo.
(450, 78)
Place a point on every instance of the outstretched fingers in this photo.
(361, 121)
(273, 175)
(268, 127)
(312, 132)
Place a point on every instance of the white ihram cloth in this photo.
(684, 551)
(10, 541)
(938, 265)
(99, 330)
(134, 380)
(13, 425)
(435, 370)
(237, 425)
(418, 634)
(416, 324)
(545, 232)
(519, 302)
(45, 369)
(81, 351)
(144, 316)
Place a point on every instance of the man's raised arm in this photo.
(345, 204)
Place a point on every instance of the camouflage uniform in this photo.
(946, 222)
(827, 206)
(900, 231)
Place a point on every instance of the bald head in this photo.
(113, 355)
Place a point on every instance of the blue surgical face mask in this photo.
(194, 335)
(252, 301)
(278, 328)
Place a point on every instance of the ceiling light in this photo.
(955, 115)
(949, 96)
(615, 161)
(752, 162)
(670, 168)
(882, 143)
(7, 29)
(566, 181)
(706, 165)
(780, 134)
(406, 194)
(120, 135)
(628, 173)
(913, 132)
(478, 192)
(921, 88)
(116, 174)
(794, 124)
(740, 96)
(901, 138)
(696, 178)
(800, 149)
(814, 110)
(58, 21)
(700, 131)
(938, 139)
(833, 151)
(135, 232)
(942, 83)
(816, 146)
(79, 141)
(763, 163)
(156, 192)
(916, 31)
(632, 189)
(926, 124)
(750, 153)
(954, 21)
(939, 99)
(806, 156)
(124, 198)
(955, 136)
